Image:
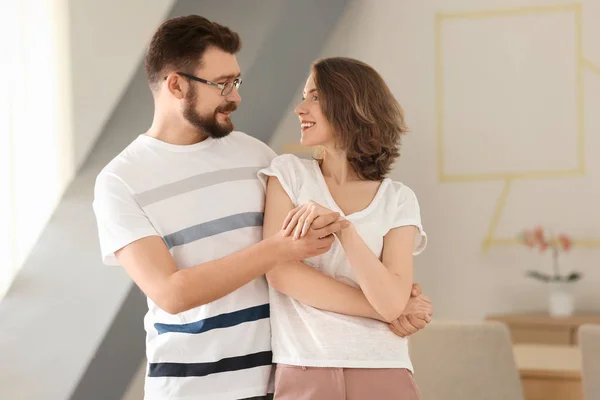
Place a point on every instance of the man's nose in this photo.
(234, 96)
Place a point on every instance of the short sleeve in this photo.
(119, 217)
(408, 213)
(284, 168)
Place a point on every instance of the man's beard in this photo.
(208, 125)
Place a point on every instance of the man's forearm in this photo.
(318, 290)
(210, 281)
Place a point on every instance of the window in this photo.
(35, 124)
(9, 44)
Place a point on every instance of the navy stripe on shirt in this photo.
(220, 321)
(260, 359)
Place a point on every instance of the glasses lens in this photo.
(229, 86)
(227, 89)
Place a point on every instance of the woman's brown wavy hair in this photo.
(367, 120)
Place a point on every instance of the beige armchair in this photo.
(466, 361)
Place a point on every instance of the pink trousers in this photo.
(316, 383)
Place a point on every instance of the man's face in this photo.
(204, 107)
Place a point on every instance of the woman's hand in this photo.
(299, 220)
(416, 315)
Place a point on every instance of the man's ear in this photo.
(176, 85)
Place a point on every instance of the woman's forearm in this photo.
(387, 292)
(318, 290)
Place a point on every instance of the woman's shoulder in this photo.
(404, 208)
(291, 162)
(291, 169)
(399, 189)
(398, 194)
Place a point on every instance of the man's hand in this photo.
(416, 315)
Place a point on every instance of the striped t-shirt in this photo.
(206, 202)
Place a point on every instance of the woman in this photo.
(328, 338)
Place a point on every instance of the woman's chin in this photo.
(306, 142)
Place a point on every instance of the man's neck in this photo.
(174, 133)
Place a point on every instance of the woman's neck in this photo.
(335, 165)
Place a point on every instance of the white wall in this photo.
(512, 100)
(108, 40)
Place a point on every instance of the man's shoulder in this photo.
(130, 163)
(123, 158)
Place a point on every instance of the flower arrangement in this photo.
(542, 240)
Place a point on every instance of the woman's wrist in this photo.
(345, 235)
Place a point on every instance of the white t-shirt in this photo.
(306, 336)
(206, 202)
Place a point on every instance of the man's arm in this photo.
(153, 269)
(298, 280)
(151, 266)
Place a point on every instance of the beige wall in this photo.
(502, 108)
(108, 40)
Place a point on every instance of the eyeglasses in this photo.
(226, 88)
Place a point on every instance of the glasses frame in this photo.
(226, 88)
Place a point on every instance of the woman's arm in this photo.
(386, 284)
(302, 282)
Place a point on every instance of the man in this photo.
(181, 210)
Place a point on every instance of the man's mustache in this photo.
(229, 107)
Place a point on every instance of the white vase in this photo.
(560, 300)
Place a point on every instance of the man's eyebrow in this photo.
(226, 77)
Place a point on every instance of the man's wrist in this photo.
(273, 249)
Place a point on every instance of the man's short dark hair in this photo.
(179, 44)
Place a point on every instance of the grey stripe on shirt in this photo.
(214, 227)
(195, 182)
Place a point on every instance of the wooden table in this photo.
(549, 372)
(544, 329)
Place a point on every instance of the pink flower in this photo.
(539, 234)
(529, 238)
(537, 238)
(565, 242)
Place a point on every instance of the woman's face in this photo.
(316, 130)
